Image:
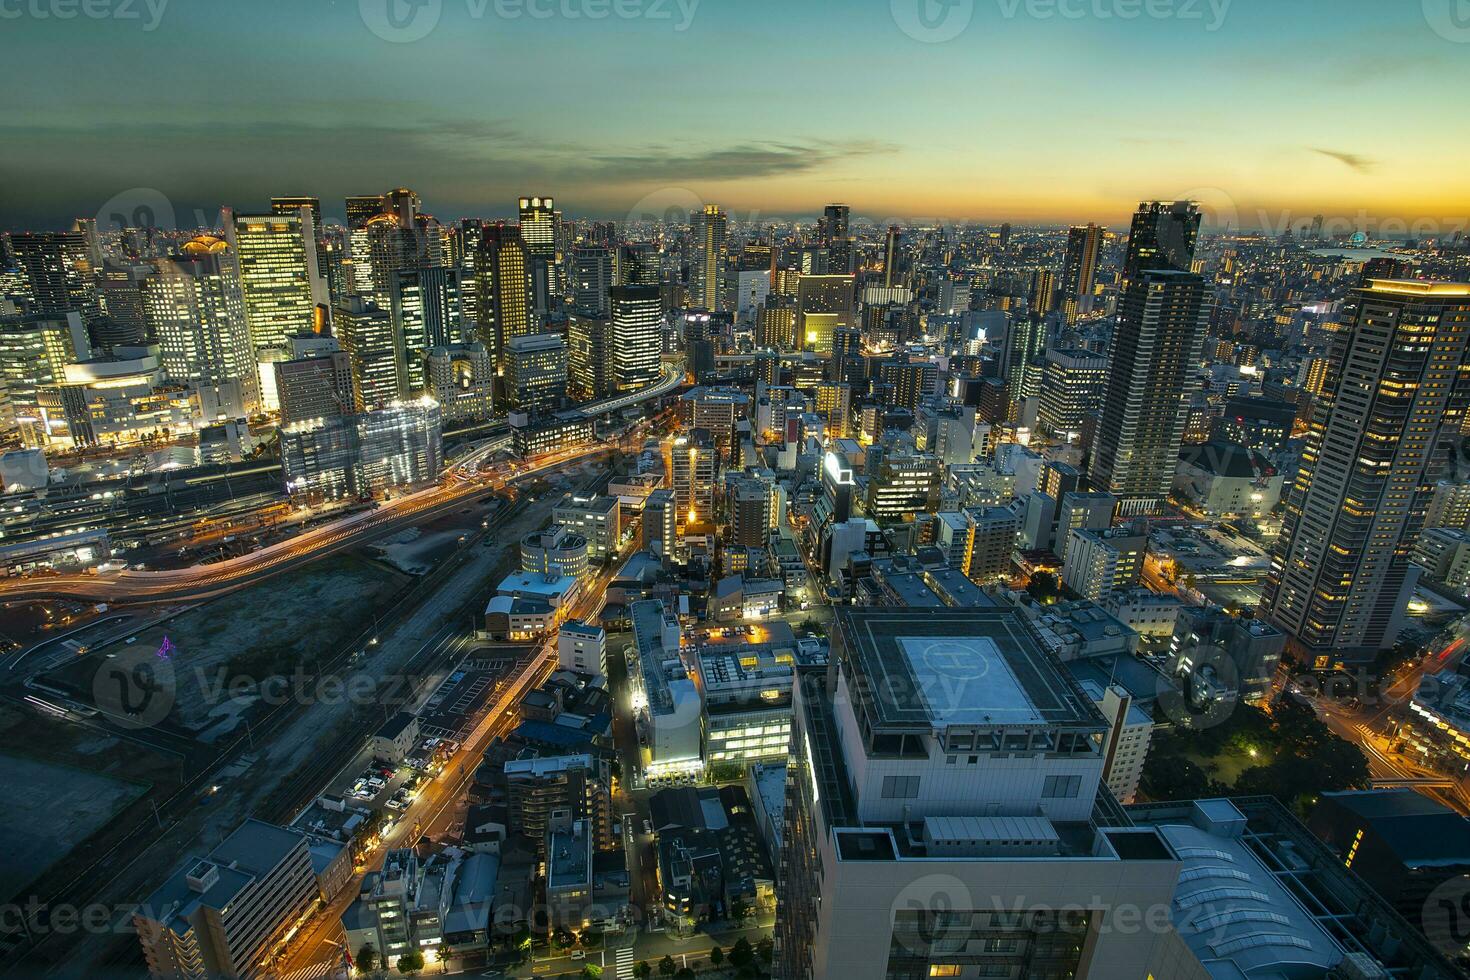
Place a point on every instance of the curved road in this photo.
(206, 581)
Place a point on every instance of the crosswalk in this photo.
(625, 963)
(316, 971)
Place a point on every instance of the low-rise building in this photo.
(582, 647)
(1227, 481)
(1099, 562)
(396, 738)
(1444, 553)
(1144, 611)
(556, 551)
(596, 518)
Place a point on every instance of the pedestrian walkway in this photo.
(625, 963)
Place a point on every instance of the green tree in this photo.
(739, 909)
(684, 974)
(716, 956)
(667, 967)
(411, 962)
(766, 949)
(741, 954)
(642, 970)
(591, 971)
(367, 958)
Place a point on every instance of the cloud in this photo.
(736, 162)
(1355, 161)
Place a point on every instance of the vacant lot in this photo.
(275, 628)
(49, 810)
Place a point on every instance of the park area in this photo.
(216, 653)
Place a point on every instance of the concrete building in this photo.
(228, 914)
(747, 698)
(993, 533)
(667, 705)
(596, 518)
(1072, 384)
(541, 788)
(535, 372)
(555, 551)
(935, 835)
(1226, 481)
(1099, 562)
(1341, 577)
(1444, 554)
(364, 455)
(1130, 729)
(582, 647)
(315, 383)
(1206, 637)
(694, 462)
(1144, 611)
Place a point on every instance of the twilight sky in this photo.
(1022, 110)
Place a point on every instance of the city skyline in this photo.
(1030, 112)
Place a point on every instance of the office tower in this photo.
(590, 374)
(910, 380)
(540, 226)
(471, 230)
(837, 236)
(316, 382)
(380, 248)
(34, 353)
(776, 323)
(902, 484)
(379, 363)
(58, 268)
(503, 282)
(752, 512)
(363, 207)
(708, 252)
(536, 371)
(1005, 235)
(637, 336)
(694, 461)
(596, 518)
(1156, 348)
(1163, 237)
(638, 264)
(1081, 510)
(1099, 562)
(1043, 292)
(1079, 275)
(1072, 384)
(293, 205)
(660, 522)
(120, 292)
(197, 315)
(834, 405)
(824, 305)
(593, 277)
(1340, 577)
(1025, 346)
(954, 294)
(891, 257)
(231, 913)
(426, 312)
(943, 809)
(279, 278)
(364, 455)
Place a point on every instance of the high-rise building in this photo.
(593, 277)
(1340, 576)
(590, 374)
(1072, 385)
(695, 464)
(120, 290)
(315, 383)
(197, 314)
(426, 312)
(536, 371)
(363, 455)
(361, 208)
(58, 268)
(836, 235)
(637, 341)
(1163, 237)
(1156, 348)
(1079, 275)
(1043, 292)
(34, 353)
(471, 230)
(824, 305)
(891, 257)
(944, 816)
(379, 364)
(229, 914)
(503, 282)
(540, 228)
(1025, 346)
(638, 264)
(1099, 562)
(707, 231)
(279, 278)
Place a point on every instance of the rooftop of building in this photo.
(568, 858)
(252, 851)
(1420, 831)
(1227, 459)
(935, 668)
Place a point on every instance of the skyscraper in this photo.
(837, 237)
(1155, 352)
(637, 341)
(379, 364)
(291, 205)
(535, 371)
(58, 267)
(1079, 275)
(195, 311)
(1025, 346)
(540, 226)
(694, 462)
(425, 305)
(1163, 236)
(824, 304)
(707, 230)
(503, 282)
(593, 275)
(891, 257)
(279, 278)
(1340, 577)
(361, 207)
(589, 357)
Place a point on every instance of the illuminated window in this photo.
(944, 970)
